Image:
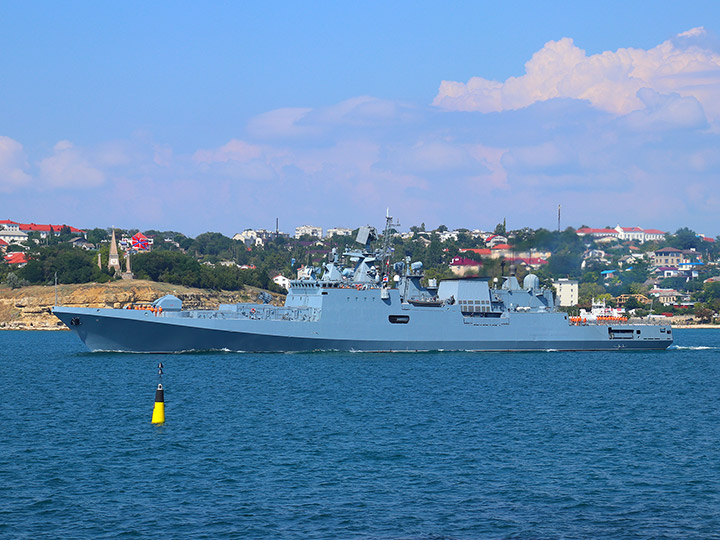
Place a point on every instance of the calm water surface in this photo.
(360, 446)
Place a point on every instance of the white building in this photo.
(493, 240)
(249, 238)
(567, 292)
(639, 234)
(256, 237)
(282, 281)
(448, 235)
(13, 236)
(6, 224)
(338, 231)
(310, 230)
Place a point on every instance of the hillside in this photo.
(29, 308)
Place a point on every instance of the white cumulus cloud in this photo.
(68, 168)
(234, 150)
(12, 165)
(610, 81)
(280, 123)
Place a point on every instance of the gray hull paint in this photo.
(369, 329)
(353, 308)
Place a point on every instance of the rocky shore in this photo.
(30, 308)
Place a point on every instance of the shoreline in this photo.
(701, 326)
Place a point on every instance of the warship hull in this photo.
(372, 325)
(357, 309)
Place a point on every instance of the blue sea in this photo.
(424, 446)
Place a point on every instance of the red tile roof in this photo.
(3, 242)
(503, 246)
(7, 222)
(16, 258)
(46, 228)
(477, 251)
(653, 231)
(462, 261)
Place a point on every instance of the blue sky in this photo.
(176, 115)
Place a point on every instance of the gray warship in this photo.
(366, 305)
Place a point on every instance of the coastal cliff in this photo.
(30, 308)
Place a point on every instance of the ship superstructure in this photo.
(360, 302)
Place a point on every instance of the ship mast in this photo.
(386, 249)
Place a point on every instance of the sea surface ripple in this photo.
(421, 446)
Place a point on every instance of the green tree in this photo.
(15, 282)
(632, 303)
(588, 291)
(96, 236)
(684, 238)
(72, 266)
(564, 264)
(213, 244)
(710, 291)
(704, 313)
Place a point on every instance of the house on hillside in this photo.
(591, 256)
(17, 259)
(654, 235)
(7, 225)
(309, 230)
(46, 230)
(82, 243)
(461, 266)
(706, 238)
(338, 231)
(501, 250)
(627, 261)
(492, 240)
(13, 236)
(635, 234)
(282, 281)
(256, 237)
(667, 271)
(666, 296)
(638, 234)
(483, 252)
(444, 236)
(598, 233)
(667, 257)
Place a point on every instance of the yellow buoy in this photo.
(158, 416)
